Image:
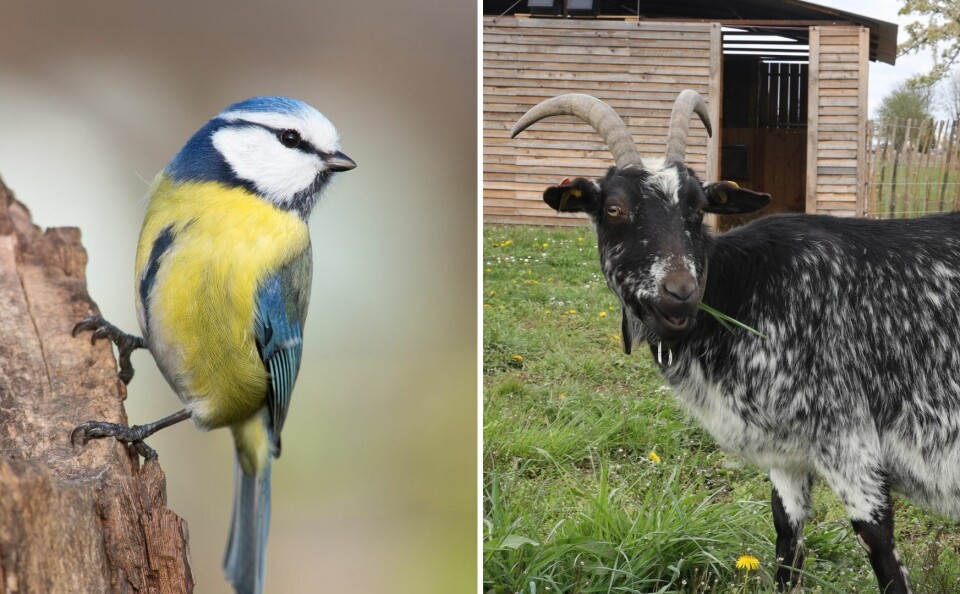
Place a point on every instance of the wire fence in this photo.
(913, 167)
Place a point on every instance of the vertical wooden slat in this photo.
(813, 119)
(946, 167)
(864, 70)
(783, 105)
(716, 98)
(881, 185)
(941, 143)
(804, 95)
(868, 142)
(900, 148)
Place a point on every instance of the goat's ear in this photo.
(728, 198)
(579, 195)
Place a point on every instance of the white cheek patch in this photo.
(255, 155)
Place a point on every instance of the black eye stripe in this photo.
(304, 145)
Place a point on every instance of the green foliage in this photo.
(595, 479)
(905, 101)
(937, 30)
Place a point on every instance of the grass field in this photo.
(596, 480)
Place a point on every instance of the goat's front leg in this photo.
(790, 502)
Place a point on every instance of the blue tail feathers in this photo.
(245, 560)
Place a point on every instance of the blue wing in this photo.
(281, 313)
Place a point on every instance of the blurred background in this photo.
(376, 488)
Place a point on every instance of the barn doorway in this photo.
(764, 136)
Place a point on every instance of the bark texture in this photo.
(72, 519)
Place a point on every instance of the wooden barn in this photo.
(785, 81)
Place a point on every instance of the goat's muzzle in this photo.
(676, 306)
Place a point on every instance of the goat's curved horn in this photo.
(592, 111)
(688, 103)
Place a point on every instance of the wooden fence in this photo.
(913, 168)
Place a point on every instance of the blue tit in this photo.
(222, 283)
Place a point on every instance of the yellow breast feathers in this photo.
(204, 251)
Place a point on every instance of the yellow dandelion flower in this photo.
(603, 314)
(546, 245)
(489, 270)
(654, 458)
(486, 305)
(580, 239)
(748, 563)
(571, 311)
(548, 312)
(506, 243)
(492, 293)
(518, 357)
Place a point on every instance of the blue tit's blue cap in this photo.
(269, 105)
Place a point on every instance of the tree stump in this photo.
(72, 520)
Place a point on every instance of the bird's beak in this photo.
(339, 162)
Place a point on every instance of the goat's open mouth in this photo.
(670, 323)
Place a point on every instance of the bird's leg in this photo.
(126, 343)
(130, 435)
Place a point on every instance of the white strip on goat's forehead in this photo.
(666, 178)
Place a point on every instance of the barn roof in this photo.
(765, 14)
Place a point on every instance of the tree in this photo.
(938, 30)
(905, 102)
(71, 519)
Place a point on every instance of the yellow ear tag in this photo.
(734, 184)
(567, 195)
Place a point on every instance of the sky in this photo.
(883, 77)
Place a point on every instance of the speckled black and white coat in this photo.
(858, 378)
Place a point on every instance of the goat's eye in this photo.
(289, 138)
(614, 211)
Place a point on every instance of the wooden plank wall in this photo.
(638, 68)
(836, 154)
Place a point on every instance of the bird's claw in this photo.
(133, 436)
(126, 343)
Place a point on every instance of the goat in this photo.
(857, 379)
